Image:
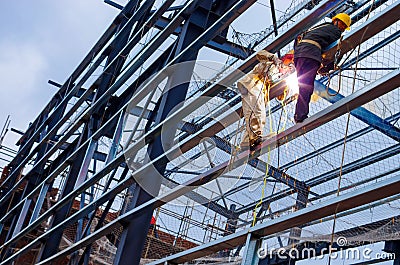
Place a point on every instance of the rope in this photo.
(335, 66)
(268, 159)
(283, 103)
(258, 97)
(345, 139)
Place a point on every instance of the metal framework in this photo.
(124, 137)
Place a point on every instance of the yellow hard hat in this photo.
(344, 18)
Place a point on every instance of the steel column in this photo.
(250, 250)
(336, 205)
(135, 233)
(76, 173)
(376, 192)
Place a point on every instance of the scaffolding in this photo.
(149, 124)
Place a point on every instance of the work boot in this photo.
(299, 119)
(255, 143)
(245, 144)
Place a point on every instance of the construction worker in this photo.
(254, 91)
(153, 228)
(308, 58)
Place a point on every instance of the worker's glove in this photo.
(325, 69)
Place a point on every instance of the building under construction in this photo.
(136, 158)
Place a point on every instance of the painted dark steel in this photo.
(69, 157)
(361, 113)
(290, 32)
(380, 87)
(338, 204)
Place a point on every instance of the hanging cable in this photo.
(268, 159)
(335, 67)
(345, 139)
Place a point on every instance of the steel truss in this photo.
(101, 110)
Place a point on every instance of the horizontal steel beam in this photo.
(314, 16)
(365, 31)
(360, 113)
(227, 47)
(378, 88)
(338, 204)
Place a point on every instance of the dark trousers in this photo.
(306, 69)
(153, 230)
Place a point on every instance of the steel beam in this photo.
(301, 203)
(329, 4)
(360, 113)
(134, 40)
(250, 250)
(338, 204)
(284, 39)
(378, 88)
(337, 143)
(364, 31)
(256, 163)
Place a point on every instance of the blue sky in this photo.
(42, 40)
(47, 39)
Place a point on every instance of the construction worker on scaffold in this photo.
(308, 58)
(254, 88)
